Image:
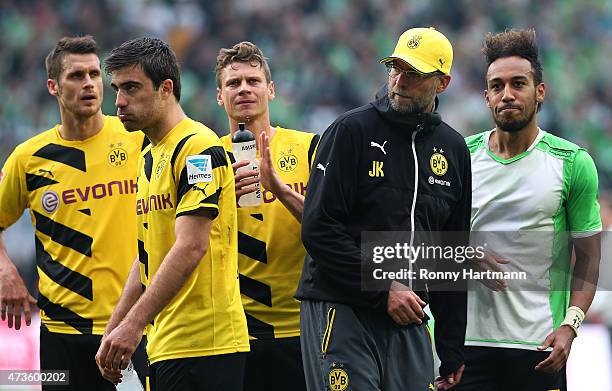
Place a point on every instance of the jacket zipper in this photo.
(414, 197)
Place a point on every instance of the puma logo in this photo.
(43, 171)
(441, 62)
(203, 190)
(322, 167)
(377, 145)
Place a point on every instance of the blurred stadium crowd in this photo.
(324, 56)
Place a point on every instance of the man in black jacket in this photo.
(391, 165)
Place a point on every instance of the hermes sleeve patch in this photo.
(199, 169)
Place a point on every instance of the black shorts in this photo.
(76, 353)
(506, 369)
(274, 365)
(211, 373)
(359, 349)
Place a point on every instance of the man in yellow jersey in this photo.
(270, 251)
(189, 299)
(79, 181)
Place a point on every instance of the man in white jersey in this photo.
(525, 180)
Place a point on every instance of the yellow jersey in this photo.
(270, 250)
(186, 172)
(81, 197)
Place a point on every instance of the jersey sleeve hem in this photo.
(212, 208)
(586, 234)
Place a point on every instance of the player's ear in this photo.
(167, 87)
(219, 97)
(271, 90)
(53, 87)
(444, 82)
(540, 92)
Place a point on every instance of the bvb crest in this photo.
(414, 41)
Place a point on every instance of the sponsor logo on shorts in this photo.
(50, 201)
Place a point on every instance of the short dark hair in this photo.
(68, 45)
(244, 51)
(153, 55)
(521, 43)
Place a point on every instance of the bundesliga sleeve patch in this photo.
(199, 169)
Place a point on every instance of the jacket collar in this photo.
(382, 104)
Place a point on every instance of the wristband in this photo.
(573, 318)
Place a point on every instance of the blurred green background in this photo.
(324, 56)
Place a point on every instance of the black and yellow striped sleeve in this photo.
(201, 168)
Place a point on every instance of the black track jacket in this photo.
(348, 194)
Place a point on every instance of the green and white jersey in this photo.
(530, 206)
